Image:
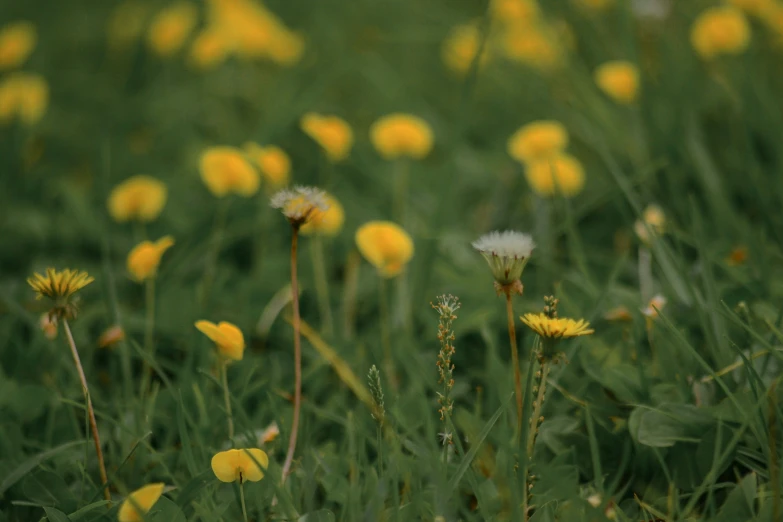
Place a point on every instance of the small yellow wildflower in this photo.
(48, 325)
(225, 170)
(24, 96)
(227, 337)
(532, 46)
(720, 30)
(111, 336)
(538, 140)
(619, 80)
(209, 49)
(171, 27)
(460, 48)
(386, 246)
(655, 219)
(401, 135)
(561, 174)
(139, 503)
(272, 161)
(17, 41)
(517, 12)
(139, 198)
(144, 259)
(326, 222)
(333, 134)
(240, 465)
(59, 286)
(300, 204)
(556, 327)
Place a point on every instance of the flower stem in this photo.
(93, 425)
(401, 177)
(645, 275)
(227, 399)
(321, 285)
(537, 406)
(289, 458)
(512, 334)
(388, 360)
(149, 333)
(242, 499)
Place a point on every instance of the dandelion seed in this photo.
(401, 135)
(139, 198)
(138, 504)
(240, 465)
(386, 246)
(506, 253)
(300, 204)
(228, 339)
(333, 134)
(144, 259)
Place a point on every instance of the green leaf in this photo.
(55, 515)
(28, 465)
(322, 515)
(166, 511)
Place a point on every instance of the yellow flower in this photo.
(17, 41)
(326, 222)
(59, 285)
(285, 47)
(144, 259)
(269, 434)
(272, 161)
(139, 503)
(619, 80)
(460, 48)
(330, 132)
(126, 23)
(300, 204)
(538, 140)
(556, 327)
(654, 218)
(561, 174)
(171, 27)
(386, 246)
(209, 49)
(654, 306)
(240, 465)
(533, 47)
(140, 198)
(25, 96)
(720, 30)
(225, 170)
(518, 12)
(398, 135)
(111, 336)
(227, 337)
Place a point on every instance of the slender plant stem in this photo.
(149, 333)
(388, 359)
(537, 406)
(380, 451)
(91, 412)
(242, 499)
(645, 275)
(289, 458)
(401, 179)
(512, 334)
(321, 285)
(227, 399)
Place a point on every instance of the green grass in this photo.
(648, 418)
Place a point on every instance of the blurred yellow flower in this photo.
(460, 48)
(720, 30)
(272, 161)
(24, 96)
(228, 339)
(333, 134)
(537, 140)
(269, 434)
(556, 327)
(518, 12)
(17, 41)
(171, 27)
(401, 135)
(619, 80)
(240, 465)
(285, 47)
(139, 198)
(654, 306)
(386, 246)
(139, 503)
(654, 218)
(225, 170)
(144, 259)
(209, 49)
(48, 325)
(560, 174)
(325, 222)
(126, 23)
(532, 46)
(111, 336)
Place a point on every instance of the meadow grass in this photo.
(669, 411)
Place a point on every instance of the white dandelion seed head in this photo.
(299, 203)
(507, 253)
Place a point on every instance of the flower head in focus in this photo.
(171, 27)
(720, 30)
(24, 96)
(139, 198)
(333, 134)
(561, 174)
(60, 287)
(145, 257)
(507, 254)
(272, 161)
(300, 204)
(653, 221)
(139, 503)
(225, 170)
(240, 465)
(619, 80)
(17, 41)
(401, 135)
(228, 339)
(553, 329)
(386, 245)
(538, 140)
(326, 222)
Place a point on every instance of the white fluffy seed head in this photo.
(509, 243)
(299, 203)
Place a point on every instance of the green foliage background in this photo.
(638, 418)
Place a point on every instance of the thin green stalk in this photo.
(512, 335)
(242, 499)
(380, 451)
(149, 333)
(321, 285)
(388, 360)
(535, 418)
(227, 399)
(289, 458)
(401, 181)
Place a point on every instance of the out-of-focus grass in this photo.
(675, 416)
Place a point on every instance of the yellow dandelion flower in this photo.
(333, 134)
(561, 174)
(654, 219)
(556, 327)
(460, 48)
(111, 336)
(386, 246)
(401, 135)
(517, 12)
(300, 204)
(272, 161)
(144, 259)
(285, 47)
(532, 46)
(59, 286)
(720, 30)
(17, 41)
(171, 27)
(538, 140)
(240, 465)
(139, 198)
(619, 80)
(209, 49)
(326, 222)
(24, 96)
(48, 325)
(227, 337)
(139, 503)
(225, 170)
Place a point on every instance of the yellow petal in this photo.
(140, 502)
(249, 460)
(225, 465)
